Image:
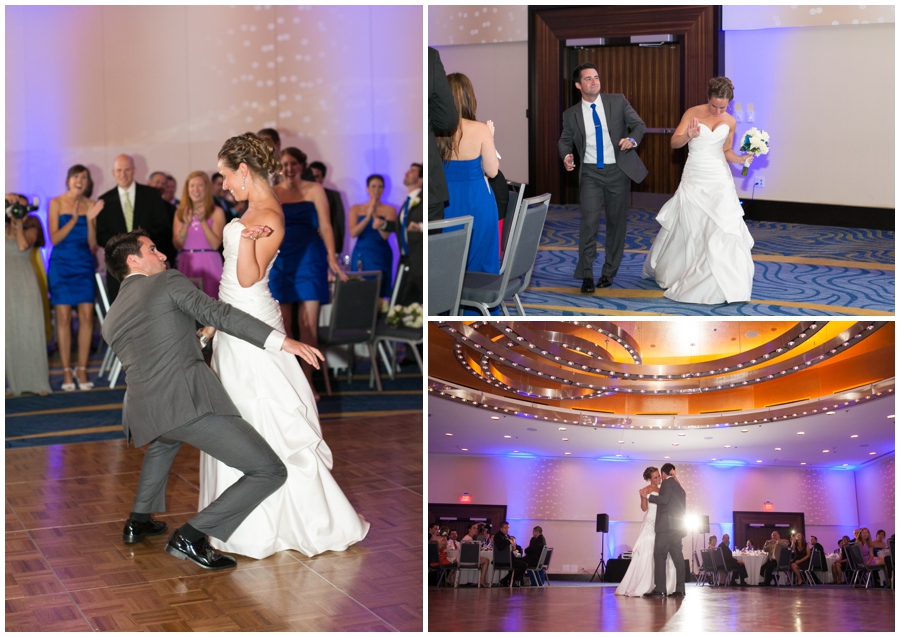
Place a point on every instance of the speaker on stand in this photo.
(602, 527)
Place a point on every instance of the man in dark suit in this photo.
(671, 503)
(502, 543)
(442, 116)
(173, 397)
(408, 228)
(128, 206)
(608, 166)
(732, 564)
(335, 205)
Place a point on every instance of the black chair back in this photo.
(355, 304)
(434, 555)
(528, 237)
(447, 253)
(516, 194)
(469, 554)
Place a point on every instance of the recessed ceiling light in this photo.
(829, 413)
(562, 428)
(872, 453)
(674, 444)
(801, 433)
(682, 434)
(507, 436)
(714, 459)
(448, 434)
(495, 417)
(743, 431)
(565, 440)
(824, 450)
(665, 457)
(845, 465)
(777, 448)
(464, 449)
(802, 463)
(621, 442)
(568, 453)
(759, 460)
(515, 452)
(891, 417)
(618, 455)
(855, 436)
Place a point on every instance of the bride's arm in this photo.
(730, 155)
(644, 505)
(254, 256)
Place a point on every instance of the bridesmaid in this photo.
(73, 232)
(372, 249)
(197, 232)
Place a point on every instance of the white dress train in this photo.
(309, 513)
(639, 576)
(702, 251)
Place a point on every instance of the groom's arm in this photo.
(665, 494)
(566, 143)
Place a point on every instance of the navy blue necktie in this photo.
(403, 213)
(598, 131)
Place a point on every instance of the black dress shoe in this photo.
(136, 531)
(654, 593)
(604, 282)
(587, 286)
(676, 594)
(199, 552)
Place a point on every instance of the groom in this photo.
(670, 508)
(604, 130)
(174, 397)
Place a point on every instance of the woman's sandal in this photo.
(81, 385)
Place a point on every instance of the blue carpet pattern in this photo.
(801, 270)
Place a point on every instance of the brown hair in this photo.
(649, 472)
(720, 87)
(252, 150)
(185, 207)
(77, 169)
(119, 248)
(466, 106)
(297, 154)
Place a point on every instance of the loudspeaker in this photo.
(602, 523)
(704, 524)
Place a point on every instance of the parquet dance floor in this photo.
(67, 568)
(598, 608)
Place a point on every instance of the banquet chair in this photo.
(434, 564)
(448, 252)
(784, 566)
(469, 560)
(817, 563)
(516, 194)
(111, 362)
(852, 565)
(535, 573)
(864, 571)
(707, 568)
(484, 291)
(892, 559)
(722, 565)
(388, 335)
(354, 312)
(502, 562)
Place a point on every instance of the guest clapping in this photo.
(197, 233)
(372, 250)
(799, 557)
(73, 232)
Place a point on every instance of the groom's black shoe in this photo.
(676, 594)
(587, 286)
(135, 531)
(654, 593)
(199, 552)
(604, 281)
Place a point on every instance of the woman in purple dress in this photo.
(197, 233)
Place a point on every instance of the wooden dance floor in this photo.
(67, 568)
(597, 608)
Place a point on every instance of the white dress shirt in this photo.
(590, 148)
(132, 192)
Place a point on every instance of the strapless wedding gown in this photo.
(309, 513)
(639, 576)
(702, 251)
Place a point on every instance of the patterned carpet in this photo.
(800, 270)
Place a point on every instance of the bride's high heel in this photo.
(69, 386)
(84, 386)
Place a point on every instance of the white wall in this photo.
(565, 496)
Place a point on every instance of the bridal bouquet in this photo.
(405, 316)
(756, 142)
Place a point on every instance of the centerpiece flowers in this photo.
(405, 316)
(756, 142)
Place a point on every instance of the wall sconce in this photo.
(738, 112)
(750, 113)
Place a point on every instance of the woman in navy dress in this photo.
(300, 271)
(469, 154)
(372, 250)
(72, 223)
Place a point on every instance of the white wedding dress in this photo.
(639, 576)
(702, 251)
(309, 513)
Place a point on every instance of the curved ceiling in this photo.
(655, 380)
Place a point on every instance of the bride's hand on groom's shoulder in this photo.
(309, 354)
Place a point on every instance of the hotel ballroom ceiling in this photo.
(769, 393)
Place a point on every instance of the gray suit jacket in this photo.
(150, 327)
(671, 503)
(622, 121)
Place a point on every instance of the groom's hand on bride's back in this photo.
(309, 354)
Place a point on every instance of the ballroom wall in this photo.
(168, 84)
(564, 496)
(821, 80)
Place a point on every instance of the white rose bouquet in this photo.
(405, 316)
(756, 142)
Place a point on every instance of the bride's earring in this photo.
(244, 183)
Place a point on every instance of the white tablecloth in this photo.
(471, 577)
(754, 562)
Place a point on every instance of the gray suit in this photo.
(172, 396)
(671, 503)
(611, 184)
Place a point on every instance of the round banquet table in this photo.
(754, 561)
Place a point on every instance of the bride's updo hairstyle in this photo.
(720, 87)
(257, 152)
(649, 472)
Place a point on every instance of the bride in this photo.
(702, 251)
(309, 513)
(639, 576)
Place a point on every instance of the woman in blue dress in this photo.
(469, 154)
(72, 223)
(300, 271)
(372, 250)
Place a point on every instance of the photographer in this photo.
(26, 343)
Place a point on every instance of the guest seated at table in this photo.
(453, 541)
(484, 535)
(442, 552)
(533, 550)
(813, 547)
(501, 543)
(732, 564)
(472, 536)
(432, 532)
(879, 542)
(749, 546)
(471, 533)
(516, 549)
(713, 542)
(799, 557)
(841, 565)
(772, 547)
(864, 540)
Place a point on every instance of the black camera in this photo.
(18, 210)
